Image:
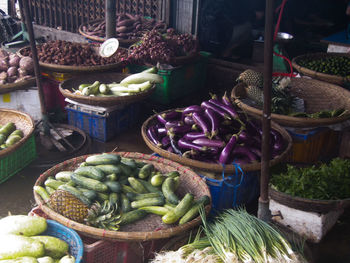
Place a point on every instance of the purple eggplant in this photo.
(256, 151)
(229, 109)
(191, 109)
(170, 149)
(202, 122)
(226, 100)
(161, 131)
(161, 119)
(180, 129)
(244, 151)
(170, 124)
(184, 144)
(241, 161)
(174, 146)
(243, 136)
(221, 112)
(226, 151)
(278, 144)
(214, 121)
(188, 120)
(209, 143)
(165, 141)
(153, 136)
(172, 115)
(190, 136)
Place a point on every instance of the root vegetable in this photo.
(3, 75)
(3, 64)
(26, 63)
(12, 72)
(14, 60)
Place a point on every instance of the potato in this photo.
(14, 60)
(26, 63)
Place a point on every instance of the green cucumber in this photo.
(105, 158)
(89, 183)
(153, 70)
(137, 197)
(113, 198)
(140, 164)
(132, 216)
(22, 225)
(129, 162)
(110, 169)
(125, 203)
(148, 202)
(42, 192)
(111, 177)
(11, 140)
(157, 210)
(169, 206)
(128, 189)
(102, 196)
(53, 183)
(126, 170)
(83, 164)
(15, 246)
(158, 179)
(71, 183)
(176, 182)
(194, 210)
(17, 132)
(175, 214)
(146, 171)
(23, 260)
(173, 174)
(150, 188)
(168, 191)
(7, 129)
(88, 193)
(131, 196)
(49, 190)
(54, 247)
(142, 77)
(113, 186)
(76, 192)
(137, 186)
(91, 172)
(2, 138)
(63, 176)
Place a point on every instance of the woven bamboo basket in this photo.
(149, 228)
(317, 95)
(76, 69)
(213, 167)
(22, 121)
(318, 75)
(17, 85)
(67, 86)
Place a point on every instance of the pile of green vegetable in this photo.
(117, 191)
(324, 182)
(21, 241)
(130, 85)
(320, 114)
(233, 236)
(9, 135)
(337, 65)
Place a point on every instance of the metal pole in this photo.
(29, 26)
(264, 212)
(110, 18)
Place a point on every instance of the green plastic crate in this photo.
(178, 82)
(16, 161)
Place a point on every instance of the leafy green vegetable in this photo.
(325, 182)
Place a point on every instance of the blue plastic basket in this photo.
(76, 246)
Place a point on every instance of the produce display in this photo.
(14, 69)
(108, 191)
(233, 236)
(282, 100)
(323, 182)
(338, 65)
(67, 53)
(155, 47)
(128, 26)
(130, 85)
(21, 240)
(215, 131)
(9, 135)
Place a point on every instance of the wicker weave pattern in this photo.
(151, 226)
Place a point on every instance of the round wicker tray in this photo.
(67, 86)
(149, 228)
(309, 205)
(22, 121)
(318, 95)
(213, 167)
(17, 85)
(318, 75)
(77, 69)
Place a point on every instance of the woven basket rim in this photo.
(102, 101)
(13, 148)
(76, 69)
(212, 166)
(118, 235)
(17, 85)
(319, 75)
(290, 121)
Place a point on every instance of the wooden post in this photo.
(110, 18)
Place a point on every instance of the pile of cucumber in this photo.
(9, 135)
(137, 188)
(21, 240)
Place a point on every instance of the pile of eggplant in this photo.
(216, 131)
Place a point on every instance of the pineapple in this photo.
(251, 78)
(68, 205)
(256, 94)
(103, 216)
